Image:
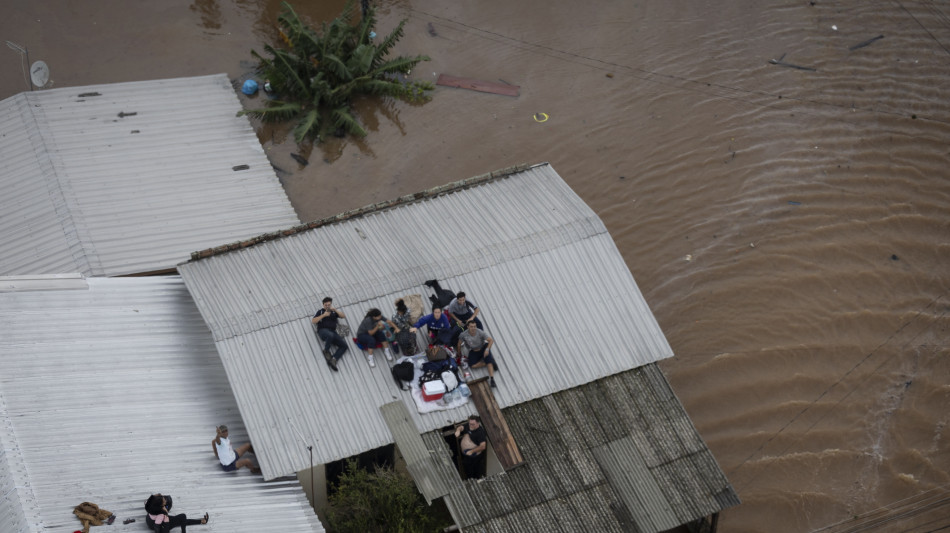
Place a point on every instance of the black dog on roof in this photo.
(442, 296)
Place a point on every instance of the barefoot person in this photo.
(230, 458)
(158, 519)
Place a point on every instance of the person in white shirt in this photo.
(230, 458)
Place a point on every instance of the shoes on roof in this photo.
(372, 361)
(491, 381)
(331, 362)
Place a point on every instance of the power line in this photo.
(649, 75)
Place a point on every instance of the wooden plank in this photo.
(477, 85)
(502, 441)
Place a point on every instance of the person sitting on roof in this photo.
(158, 520)
(477, 344)
(440, 330)
(326, 320)
(463, 311)
(473, 444)
(403, 322)
(370, 333)
(230, 458)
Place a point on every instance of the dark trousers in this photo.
(331, 338)
(474, 356)
(474, 465)
(179, 520)
(442, 336)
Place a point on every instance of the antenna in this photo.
(23, 53)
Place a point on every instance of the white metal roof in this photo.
(111, 392)
(554, 292)
(127, 178)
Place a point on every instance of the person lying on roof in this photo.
(438, 324)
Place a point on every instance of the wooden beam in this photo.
(477, 85)
(493, 420)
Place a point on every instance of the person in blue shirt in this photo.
(440, 330)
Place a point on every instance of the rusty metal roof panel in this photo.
(127, 178)
(539, 250)
(110, 391)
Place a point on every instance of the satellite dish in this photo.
(39, 73)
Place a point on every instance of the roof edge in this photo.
(426, 194)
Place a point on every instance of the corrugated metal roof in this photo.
(554, 293)
(127, 178)
(425, 463)
(591, 464)
(112, 393)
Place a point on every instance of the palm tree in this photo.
(318, 74)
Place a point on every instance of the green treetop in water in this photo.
(317, 75)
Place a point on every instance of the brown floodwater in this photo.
(789, 227)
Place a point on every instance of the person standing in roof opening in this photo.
(326, 321)
(473, 444)
(370, 333)
(438, 324)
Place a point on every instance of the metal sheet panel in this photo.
(553, 289)
(130, 177)
(111, 394)
(635, 485)
(425, 464)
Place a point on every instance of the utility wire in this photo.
(652, 75)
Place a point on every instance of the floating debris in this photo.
(865, 43)
(781, 63)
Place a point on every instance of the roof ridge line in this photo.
(365, 210)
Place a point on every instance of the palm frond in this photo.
(386, 45)
(342, 118)
(398, 65)
(276, 110)
(335, 66)
(308, 126)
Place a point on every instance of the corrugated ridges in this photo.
(591, 465)
(554, 291)
(144, 171)
(112, 393)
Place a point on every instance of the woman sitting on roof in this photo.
(405, 338)
(440, 330)
(371, 333)
(158, 520)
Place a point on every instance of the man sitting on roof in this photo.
(230, 458)
(472, 446)
(438, 324)
(463, 310)
(370, 333)
(477, 344)
(326, 321)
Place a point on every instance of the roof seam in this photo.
(427, 194)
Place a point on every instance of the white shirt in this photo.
(225, 452)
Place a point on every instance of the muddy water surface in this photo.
(790, 227)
